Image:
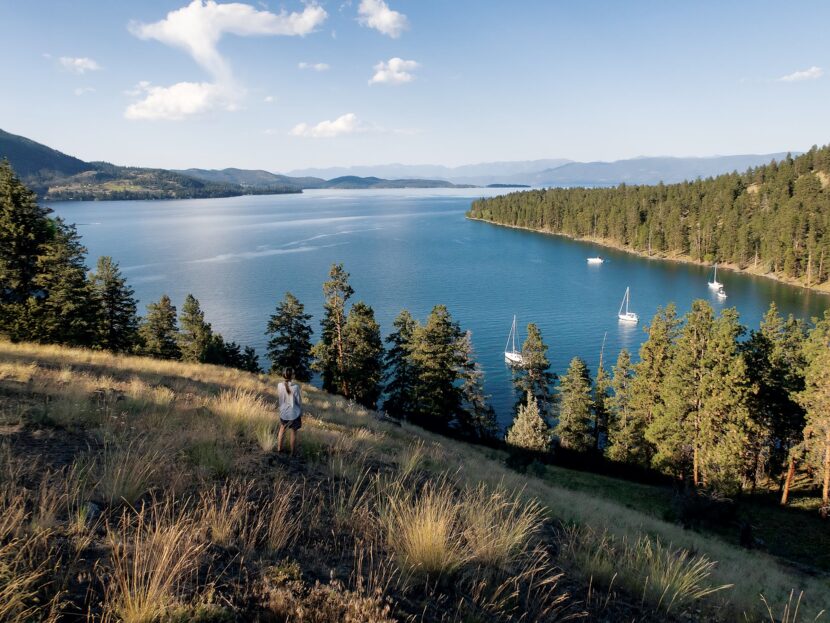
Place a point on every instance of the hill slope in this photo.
(56, 176)
(30, 158)
(122, 474)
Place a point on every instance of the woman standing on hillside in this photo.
(291, 409)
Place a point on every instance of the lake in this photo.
(408, 249)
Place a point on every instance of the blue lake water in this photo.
(408, 249)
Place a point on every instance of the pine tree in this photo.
(602, 397)
(529, 430)
(476, 418)
(775, 364)
(230, 354)
(158, 330)
(436, 357)
(195, 335)
(117, 328)
(534, 375)
(63, 310)
(645, 397)
(815, 398)
(626, 434)
(250, 360)
(574, 425)
(675, 430)
(400, 374)
(329, 353)
(726, 427)
(25, 228)
(289, 345)
(363, 349)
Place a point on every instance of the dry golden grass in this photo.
(222, 511)
(789, 610)
(242, 409)
(411, 457)
(19, 584)
(423, 530)
(153, 552)
(265, 434)
(498, 526)
(127, 470)
(283, 521)
(668, 577)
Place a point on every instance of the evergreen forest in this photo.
(773, 219)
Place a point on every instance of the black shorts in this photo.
(292, 424)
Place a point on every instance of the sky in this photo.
(282, 86)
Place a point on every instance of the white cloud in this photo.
(83, 90)
(269, 99)
(180, 100)
(77, 65)
(197, 29)
(394, 71)
(377, 14)
(314, 66)
(343, 125)
(814, 73)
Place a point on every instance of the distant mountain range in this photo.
(55, 175)
(543, 173)
(475, 174)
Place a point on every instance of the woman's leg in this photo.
(291, 439)
(279, 438)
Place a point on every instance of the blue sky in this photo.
(177, 84)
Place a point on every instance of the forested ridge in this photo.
(772, 219)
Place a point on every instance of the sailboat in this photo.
(511, 355)
(715, 284)
(596, 260)
(627, 316)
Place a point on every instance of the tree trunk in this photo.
(341, 360)
(825, 491)
(788, 481)
(809, 267)
(695, 476)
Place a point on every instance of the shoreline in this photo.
(823, 288)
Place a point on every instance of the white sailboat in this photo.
(627, 316)
(511, 355)
(596, 260)
(715, 284)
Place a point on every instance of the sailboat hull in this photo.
(513, 358)
(629, 317)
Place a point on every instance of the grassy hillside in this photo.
(142, 490)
